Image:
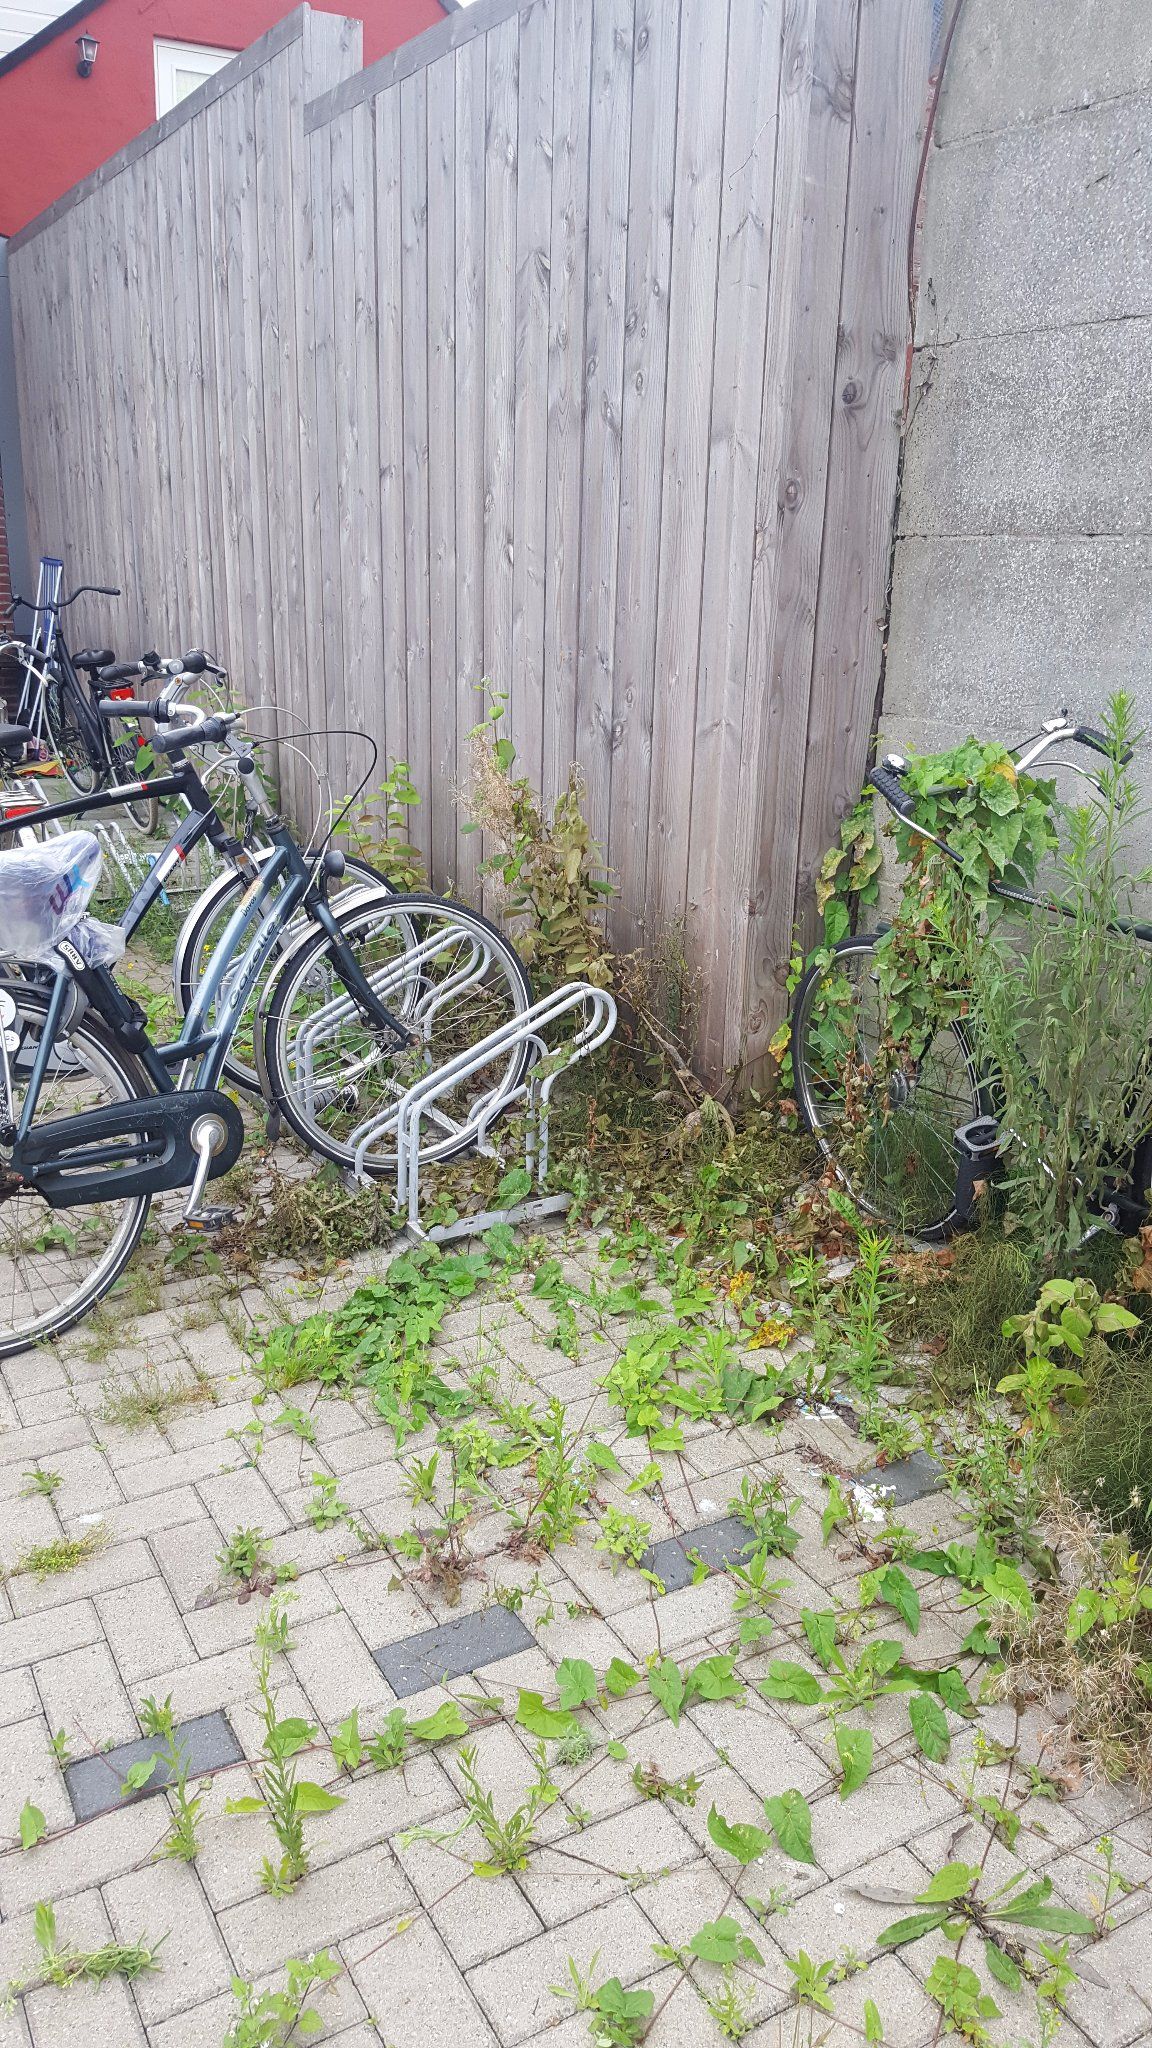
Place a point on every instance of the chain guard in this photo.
(127, 1149)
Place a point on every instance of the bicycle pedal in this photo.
(210, 1218)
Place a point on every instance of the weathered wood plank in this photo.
(414, 341)
(390, 424)
(568, 253)
(684, 505)
(892, 64)
(741, 320)
(530, 427)
(651, 200)
(801, 359)
(471, 382)
(610, 134)
(439, 794)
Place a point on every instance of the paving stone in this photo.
(146, 1516)
(194, 1961)
(242, 1500)
(29, 1771)
(335, 1668)
(229, 1622)
(28, 1525)
(380, 1610)
(83, 1693)
(99, 2015)
(477, 1917)
(145, 1631)
(91, 1855)
(359, 1891)
(453, 1650)
(20, 1448)
(94, 1782)
(666, 1625)
(767, 1748)
(718, 1543)
(170, 1469)
(188, 1555)
(19, 1698)
(627, 1852)
(338, 2003)
(113, 1566)
(908, 1479)
(89, 1485)
(32, 1636)
(394, 1978)
(514, 1989)
(895, 1805)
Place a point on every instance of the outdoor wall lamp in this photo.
(87, 46)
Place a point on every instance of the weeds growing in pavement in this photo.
(151, 1397)
(182, 1841)
(563, 1479)
(245, 1558)
(63, 1965)
(40, 1481)
(761, 1506)
(624, 1536)
(617, 2018)
(63, 1554)
(509, 1840)
(274, 2019)
(286, 1799)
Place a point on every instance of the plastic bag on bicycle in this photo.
(45, 891)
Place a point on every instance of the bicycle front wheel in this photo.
(887, 1124)
(202, 931)
(443, 971)
(55, 1264)
(142, 811)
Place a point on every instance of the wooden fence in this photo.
(560, 350)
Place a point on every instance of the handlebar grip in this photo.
(131, 707)
(121, 671)
(177, 737)
(1099, 743)
(194, 662)
(887, 782)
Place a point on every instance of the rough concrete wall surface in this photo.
(1023, 570)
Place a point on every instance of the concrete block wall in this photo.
(1023, 569)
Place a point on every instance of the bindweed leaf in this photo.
(790, 1818)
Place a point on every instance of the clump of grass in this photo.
(957, 1306)
(316, 1221)
(1103, 1455)
(1089, 1638)
(151, 1396)
(63, 1554)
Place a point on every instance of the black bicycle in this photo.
(59, 709)
(913, 1139)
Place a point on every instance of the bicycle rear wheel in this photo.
(886, 1124)
(143, 811)
(447, 974)
(68, 740)
(55, 1264)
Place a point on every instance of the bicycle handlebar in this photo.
(62, 604)
(1088, 736)
(885, 778)
(204, 730)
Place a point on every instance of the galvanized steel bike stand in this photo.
(597, 1025)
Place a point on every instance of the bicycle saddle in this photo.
(13, 740)
(93, 658)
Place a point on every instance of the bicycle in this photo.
(95, 1119)
(55, 710)
(206, 921)
(912, 1140)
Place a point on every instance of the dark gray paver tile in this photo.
(94, 1781)
(909, 1478)
(453, 1650)
(718, 1543)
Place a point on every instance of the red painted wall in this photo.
(55, 127)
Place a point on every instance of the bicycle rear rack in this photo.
(406, 1116)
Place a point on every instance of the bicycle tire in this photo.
(196, 941)
(142, 812)
(896, 1155)
(326, 1108)
(69, 743)
(115, 1074)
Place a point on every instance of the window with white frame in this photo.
(181, 67)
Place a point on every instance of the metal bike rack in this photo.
(550, 1062)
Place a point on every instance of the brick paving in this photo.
(432, 1954)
